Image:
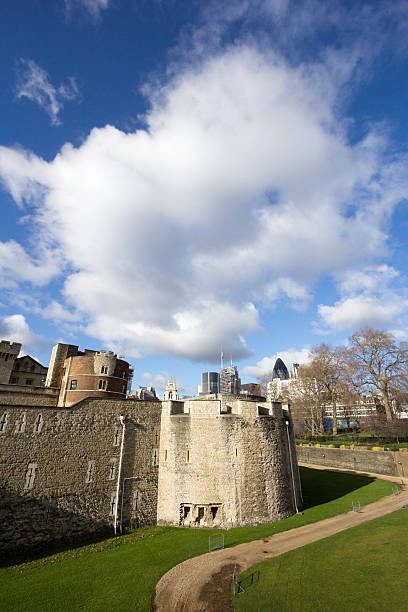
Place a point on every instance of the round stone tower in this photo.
(226, 461)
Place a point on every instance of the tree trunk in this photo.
(387, 406)
(334, 414)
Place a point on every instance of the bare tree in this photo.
(327, 369)
(377, 363)
(307, 402)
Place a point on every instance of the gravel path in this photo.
(204, 583)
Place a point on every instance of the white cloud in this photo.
(55, 311)
(369, 298)
(16, 265)
(265, 366)
(241, 189)
(158, 381)
(15, 329)
(367, 280)
(33, 82)
(299, 294)
(356, 312)
(93, 8)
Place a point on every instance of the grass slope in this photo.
(121, 573)
(361, 569)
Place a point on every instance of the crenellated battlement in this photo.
(216, 405)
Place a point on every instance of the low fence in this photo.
(376, 461)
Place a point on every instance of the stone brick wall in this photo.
(60, 352)
(8, 353)
(224, 464)
(66, 448)
(377, 462)
(22, 395)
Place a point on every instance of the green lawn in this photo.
(361, 569)
(121, 573)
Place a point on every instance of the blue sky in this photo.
(180, 176)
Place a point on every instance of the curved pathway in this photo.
(204, 583)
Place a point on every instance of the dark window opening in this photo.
(214, 510)
(73, 384)
(17, 367)
(200, 514)
(186, 511)
(29, 381)
(32, 368)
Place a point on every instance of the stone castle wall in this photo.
(202, 462)
(377, 462)
(22, 395)
(225, 462)
(8, 353)
(73, 455)
(60, 352)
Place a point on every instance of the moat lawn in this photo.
(362, 569)
(121, 573)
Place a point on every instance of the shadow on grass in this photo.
(45, 550)
(248, 581)
(320, 487)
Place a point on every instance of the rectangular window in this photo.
(112, 504)
(188, 455)
(38, 424)
(236, 451)
(116, 436)
(73, 385)
(112, 468)
(29, 381)
(3, 422)
(155, 457)
(21, 424)
(13, 380)
(90, 471)
(104, 369)
(30, 476)
(165, 455)
(102, 385)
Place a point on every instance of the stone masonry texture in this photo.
(62, 506)
(201, 462)
(223, 464)
(377, 462)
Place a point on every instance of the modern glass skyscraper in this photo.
(230, 381)
(210, 382)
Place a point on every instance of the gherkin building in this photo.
(280, 370)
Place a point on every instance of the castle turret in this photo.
(170, 392)
(226, 461)
(8, 353)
